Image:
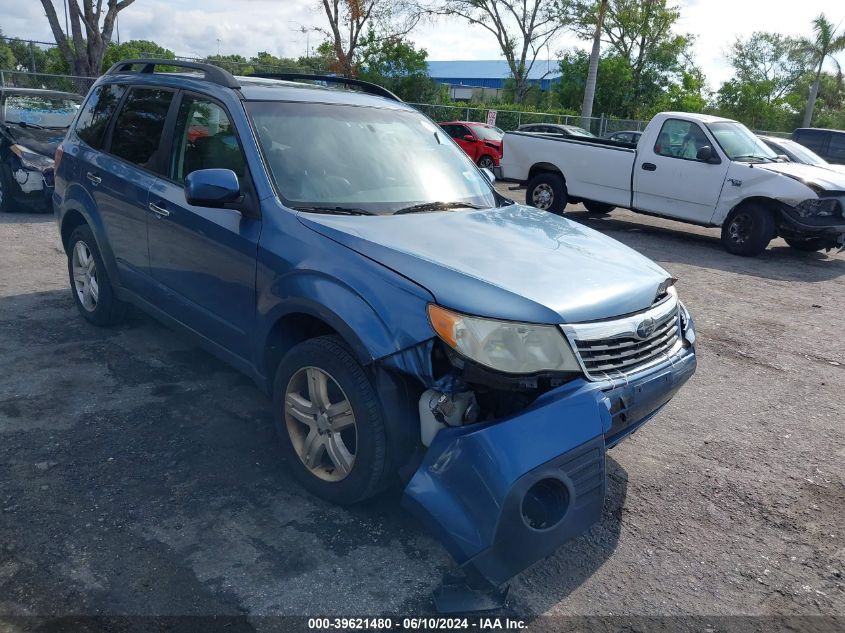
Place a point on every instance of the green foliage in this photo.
(648, 64)
(397, 65)
(134, 49)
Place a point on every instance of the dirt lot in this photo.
(139, 475)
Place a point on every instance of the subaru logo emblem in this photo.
(645, 328)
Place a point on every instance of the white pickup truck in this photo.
(690, 167)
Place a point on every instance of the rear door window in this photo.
(97, 112)
(139, 125)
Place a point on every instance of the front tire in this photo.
(330, 421)
(547, 191)
(807, 244)
(598, 207)
(89, 281)
(748, 230)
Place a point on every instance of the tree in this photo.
(614, 87)
(84, 54)
(133, 49)
(641, 33)
(592, 72)
(348, 20)
(522, 28)
(772, 61)
(397, 65)
(825, 44)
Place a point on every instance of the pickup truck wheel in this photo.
(330, 421)
(486, 162)
(808, 245)
(598, 207)
(89, 280)
(748, 230)
(547, 191)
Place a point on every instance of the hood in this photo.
(41, 141)
(515, 263)
(811, 175)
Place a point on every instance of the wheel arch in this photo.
(541, 167)
(770, 204)
(71, 220)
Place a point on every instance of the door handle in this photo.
(649, 166)
(93, 178)
(159, 211)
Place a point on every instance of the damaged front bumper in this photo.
(823, 217)
(501, 496)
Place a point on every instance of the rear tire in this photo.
(547, 191)
(339, 457)
(807, 245)
(598, 207)
(89, 281)
(748, 230)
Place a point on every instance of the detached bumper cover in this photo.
(470, 490)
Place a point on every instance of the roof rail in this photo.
(365, 86)
(212, 73)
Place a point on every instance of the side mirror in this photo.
(488, 173)
(212, 187)
(705, 154)
(469, 137)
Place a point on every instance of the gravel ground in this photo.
(140, 476)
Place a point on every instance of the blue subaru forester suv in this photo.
(412, 325)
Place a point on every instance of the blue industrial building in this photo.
(490, 73)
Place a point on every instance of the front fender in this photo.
(745, 182)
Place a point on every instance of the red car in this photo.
(482, 142)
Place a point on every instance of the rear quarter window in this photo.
(836, 148)
(815, 140)
(97, 112)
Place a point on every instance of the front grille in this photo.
(612, 347)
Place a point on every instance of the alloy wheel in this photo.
(486, 162)
(321, 424)
(85, 276)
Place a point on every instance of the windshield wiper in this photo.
(335, 210)
(32, 125)
(437, 206)
(755, 157)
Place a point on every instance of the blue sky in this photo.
(197, 27)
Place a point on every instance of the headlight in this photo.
(32, 160)
(821, 207)
(508, 347)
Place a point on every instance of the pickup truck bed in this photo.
(690, 167)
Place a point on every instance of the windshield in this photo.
(739, 143)
(574, 130)
(38, 110)
(377, 160)
(804, 155)
(487, 133)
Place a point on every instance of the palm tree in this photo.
(825, 44)
(593, 71)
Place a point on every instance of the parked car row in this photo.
(690, 167)
(410, 323)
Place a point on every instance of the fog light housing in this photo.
(545, 504)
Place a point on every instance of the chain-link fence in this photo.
(510, 120)
(63, 83)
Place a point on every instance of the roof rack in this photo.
(212, 73)
(365, 86)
